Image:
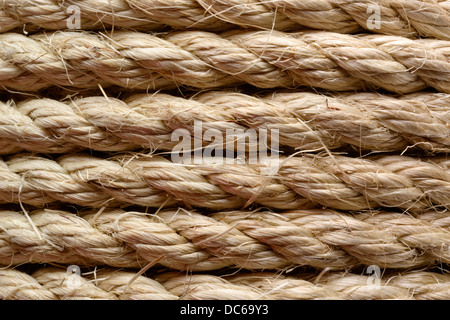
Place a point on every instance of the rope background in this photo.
(88, 178)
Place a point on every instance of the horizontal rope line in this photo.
(204, 60)
(408, 18)
(187, 240)
(301, 120)
(334, 181)
(110, 284)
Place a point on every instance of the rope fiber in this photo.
(204, 60)
(190, 241)
(339, 182)
(51, 284)
(304, 121)
(407, 18)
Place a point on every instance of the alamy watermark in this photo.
(74, 21)
(374, 278)
(73, 280)
(232, 146)
(374, 20)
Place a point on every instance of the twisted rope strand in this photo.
(338, 182)
(54, 283)
(187, 240)
(407, 18)
(305, 121)
(203, 60)
(396, 60)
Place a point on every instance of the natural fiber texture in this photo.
(107, 284)
(305, 121)
(260, 240)
(238, 218)
(265, 59)
(406, 18)
(338, 182)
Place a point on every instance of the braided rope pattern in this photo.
(51, 284)
(337, 182)
(186, 240)
(407, 53)
(305, 121)
(407, 18)
(203, 60)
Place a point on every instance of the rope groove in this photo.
(51, 284)
(203, 60)
(407, 18)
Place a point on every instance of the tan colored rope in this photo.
(186, 240)
(337, 182)
(305, 121)
(406, 18)
(393, 57)
(202, 60)
(109, 284)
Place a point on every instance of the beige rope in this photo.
(338, 182)
(109, 284)
(305, 121)
(265, 59)
(406, 18)
(394, 58)
(262, 240)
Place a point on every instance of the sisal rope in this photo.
(203, 60)
(186, 240)
(107, 284)
(305, 121)
(338, 182)
(408, 18)
(398, 205)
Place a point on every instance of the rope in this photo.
(203, 60)
(305, 121)
(52, 283)
(394, 207)
(187, 240)
(338, 182)
(408, 18)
